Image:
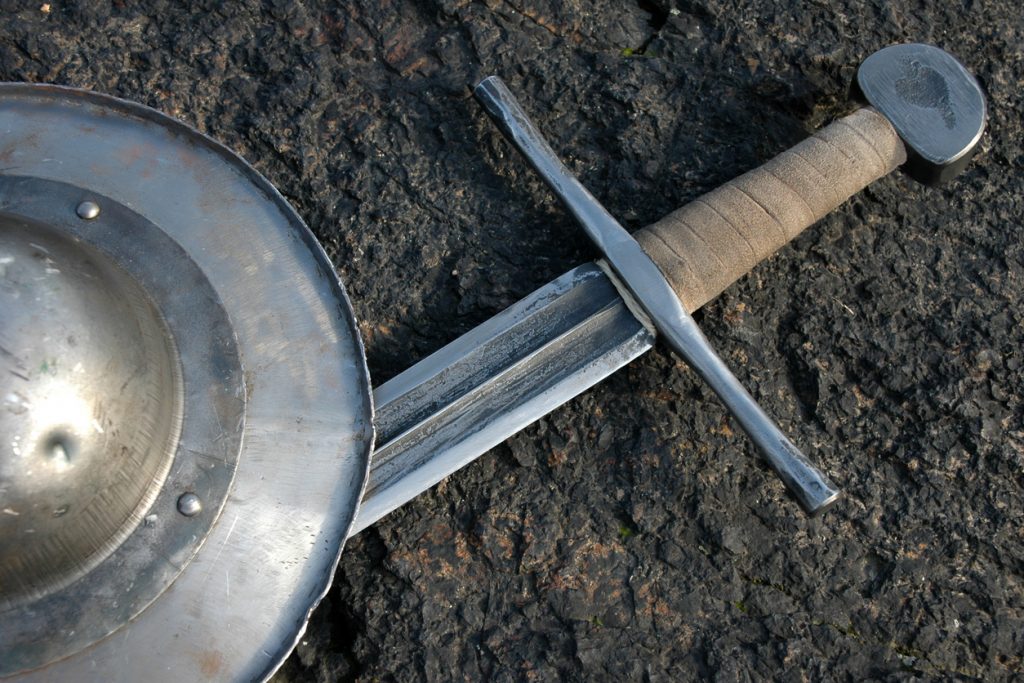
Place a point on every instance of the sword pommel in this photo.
(935, 105)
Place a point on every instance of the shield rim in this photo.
(324, 294)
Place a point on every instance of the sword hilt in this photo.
(926, 111)
(647, 286)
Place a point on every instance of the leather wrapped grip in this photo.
(708, 244)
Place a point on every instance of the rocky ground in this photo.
(634, 534)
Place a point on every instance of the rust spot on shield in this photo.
(210, 663)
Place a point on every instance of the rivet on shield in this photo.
(88, 210)
(189, 504)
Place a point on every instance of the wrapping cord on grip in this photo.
(711, 242)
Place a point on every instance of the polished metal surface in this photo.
(88, 210)
(241, 591)
(87, 369)
(935, 104)
(119, 279)
(650, 288)
(454, 405)
(189, 504)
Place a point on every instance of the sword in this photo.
(923, 112)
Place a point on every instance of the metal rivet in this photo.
(189, 504)
(88, 210)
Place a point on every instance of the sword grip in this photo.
(711, 242)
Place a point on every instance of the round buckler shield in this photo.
(186, 419)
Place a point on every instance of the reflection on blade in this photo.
(455, 405)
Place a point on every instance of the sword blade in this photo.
(466, 398)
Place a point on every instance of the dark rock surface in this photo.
(634, 534)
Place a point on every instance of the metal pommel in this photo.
(934, 104)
